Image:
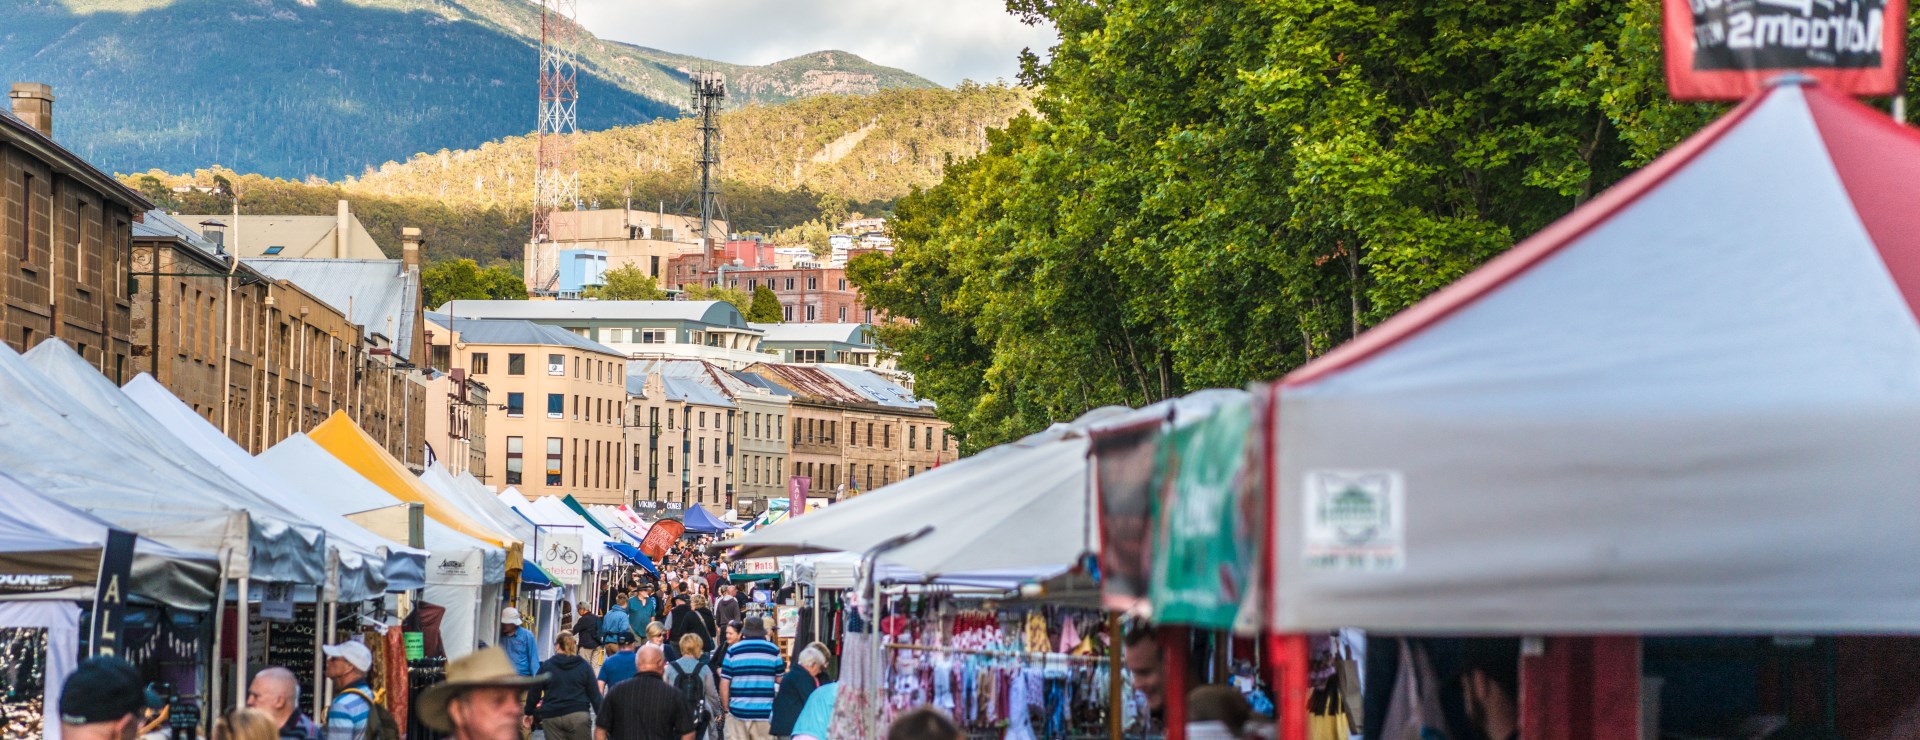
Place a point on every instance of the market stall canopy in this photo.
(50, 551)
(1689, 406)
(391, 566)
(61, 448)
(574, 504)
(1019, 508)
(473, 498)
(342, 438)
(698, 521)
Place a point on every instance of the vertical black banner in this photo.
(110, 595)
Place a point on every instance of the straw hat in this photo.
(485, 669)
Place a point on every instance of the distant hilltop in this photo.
(329, 88)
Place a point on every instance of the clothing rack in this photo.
(1032, 656)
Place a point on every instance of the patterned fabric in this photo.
(860, 697)
(753, 667)
(347, 716)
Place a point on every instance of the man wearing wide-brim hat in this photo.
(480, 700)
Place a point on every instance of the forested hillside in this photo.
(293, 88)
(778, 163)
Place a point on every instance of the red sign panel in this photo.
(661, 537)
(1728, 49)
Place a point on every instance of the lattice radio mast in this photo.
(556, 177)
(709, 93)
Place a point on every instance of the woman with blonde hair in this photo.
(564, 706)
(246, 724)
(690, 664)
(657, 637)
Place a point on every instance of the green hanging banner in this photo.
(1199, 567)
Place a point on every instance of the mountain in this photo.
(328, 88)
(780, 164)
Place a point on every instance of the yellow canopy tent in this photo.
(344, 439)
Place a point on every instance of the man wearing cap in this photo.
(351, 712)
(518, 643)
(480, 700)
(102, 700)
(747, 682)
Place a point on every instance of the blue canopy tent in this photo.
(635, 556)
(698, 521)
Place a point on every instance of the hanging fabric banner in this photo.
(1125, 457)
(661, 537)
(110, 595)
(1200, 564)
(1727, 50)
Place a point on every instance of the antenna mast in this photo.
(556, 178)
(709, 93)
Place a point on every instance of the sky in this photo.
(942, 40)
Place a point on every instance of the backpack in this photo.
(380, 723)
(693, 691)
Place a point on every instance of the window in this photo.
(516, 405)
(556, 364)
(669, 418)
(479, 363)
(789, 283)
(929, 438)
(703, 420)
(514, 459)
(653, 336)
(556, 405)
(275, 249)
(516, 364)
(946, 438)
(843, 283)
(886, 475)
(910, 437)
(869, 477)
(669, 458)
(636, 458)
(869, 434)
(813, 283)
(553, 460)
(886, 436)
(653, 266)
(813, 313)
(786, 311)
(911, 470)
(843, 314)
(703, 451)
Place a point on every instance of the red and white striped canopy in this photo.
(1691, 405)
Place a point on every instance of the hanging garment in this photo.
(1414, 711)
(1069, 636)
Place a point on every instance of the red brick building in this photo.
(807, 294)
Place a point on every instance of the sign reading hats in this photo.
(1727, 50)
(485, 669)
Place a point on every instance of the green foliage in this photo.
(765, 308)
(463, 280)
(1214, 192)
(627, 283)
(739, 298)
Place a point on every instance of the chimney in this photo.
(341, 231)
(409, 248)
(410, 267)
(33, 103)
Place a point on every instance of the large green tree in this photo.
(464, 280)
(1213, 192)
(627, 284)
(765, 308)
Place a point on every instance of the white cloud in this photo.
(943, 40)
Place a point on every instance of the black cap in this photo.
(102, 689)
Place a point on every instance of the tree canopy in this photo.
(1213, 192)
(463, 280)
(765, 308)
(627, 283)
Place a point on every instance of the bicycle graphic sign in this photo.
(560, 555)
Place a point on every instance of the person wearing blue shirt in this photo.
(614, 627)
(619, 666)
(641, 609)
(518, 643)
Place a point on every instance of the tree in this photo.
(627, 283)
(739, 298)
(463, 280)
(765, 308)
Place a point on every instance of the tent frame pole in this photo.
(319, 641)
(212, 702)
(240, 640)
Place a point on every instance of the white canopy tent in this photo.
(1690, 406)
(460, 569)
(43, 526)
(399, 568)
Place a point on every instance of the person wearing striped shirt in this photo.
(352, 708)
(747, 682)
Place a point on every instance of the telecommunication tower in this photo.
(556, 178)
(709, 92)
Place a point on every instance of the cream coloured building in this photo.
(554, 422)
(643, 239)
(680, 440)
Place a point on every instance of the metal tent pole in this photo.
(319, 641)
(240, 640)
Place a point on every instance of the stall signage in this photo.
(759, 566)
(560, 556)
(661, 537)
(110, 594)
(1729, 49)
(797, 487)
(277, 605)
(34, 582)
(416, 646)
(1355, 520)
(448, 570)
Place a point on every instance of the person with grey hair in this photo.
(644, 707)
(276, 691)
(809, 671)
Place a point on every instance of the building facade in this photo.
(646, 240)
(65, 231)
(808, 293)
(714, 331)
(457, 422)
(854, 430)
(681, 432)
(554, 421)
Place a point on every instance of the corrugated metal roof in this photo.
(717, 313)
(842, 386)
(376, 294)
(509, 331)
(837, 333)
(881, 390)
(761, 382)
(158, 224)
(693, 391)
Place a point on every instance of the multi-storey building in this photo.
(850, 428)
(808, 293)
(628, 238)
(340, 236)
(554, 421)
(714, 331)
(457, 422)
(681, 433)
(263, 358)
(65, 231)
(814, 344)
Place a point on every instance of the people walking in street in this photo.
(564, 706)
(276, 691)
(809, 670)
(686, 621)
(747, 682)
(645, 707)
(480, 700)
(348, 717)
(730, 638)
(245, 724)
(614, 627)
(586, 628)
(693, 676)
(817, 715)
(518, 643)
(101, 700)
(709, 625)
(657, 637)
(619, 667)
(726, 609)
(642, 608)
